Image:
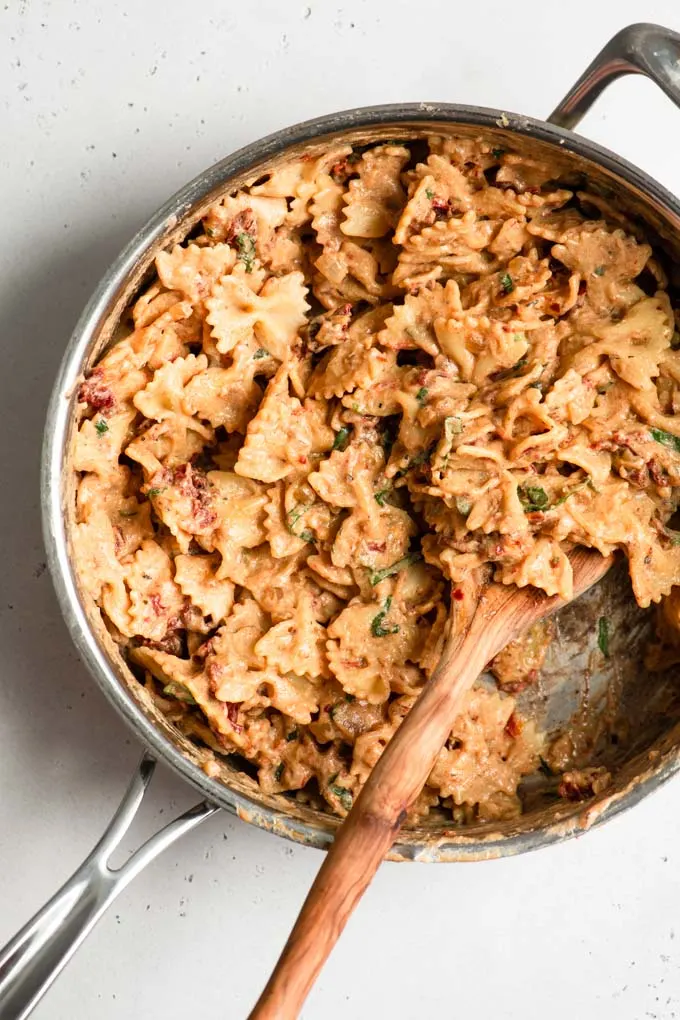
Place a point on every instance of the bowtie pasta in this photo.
(359, 382)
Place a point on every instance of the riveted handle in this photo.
(31, 961)
(637, 49)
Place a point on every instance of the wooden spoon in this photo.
(500, 614)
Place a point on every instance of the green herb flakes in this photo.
(497, 153)
(306, 535)
(278, 772)
(666, 439)
(421, 395)
(463, 506)
(293, 735)
(180, 692)
(406, 561)
(603, 635)
(341, 437)
(294, 515)
(246, 250)
(127, 513)
(507, 284)
(532, 498)
(377, 628)
(381, 497)
(429, 193)
(101, 426)
(260, 353)
(598, 270)
(343, 794)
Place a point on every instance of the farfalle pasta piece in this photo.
(167, 445)
(375, 197)
(273, 316)
(634, 345)
(196, 577)
(100, 441)
(367, 642)
(410, 325)
(547, 566)
(156, 602)
(282, 436)
(163, 396)
(297, 645)
(354, 364)
(482, 743)
(226, 397)
(193, 270)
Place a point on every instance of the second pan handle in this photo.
(637, 49)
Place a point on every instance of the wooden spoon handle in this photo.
(369, 831)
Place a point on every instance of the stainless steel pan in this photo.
(646, 751)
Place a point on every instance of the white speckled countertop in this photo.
(107, 108)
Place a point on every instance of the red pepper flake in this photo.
(377, 546)
(458, 594)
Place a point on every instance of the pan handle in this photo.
(637, 49)
(30, 962)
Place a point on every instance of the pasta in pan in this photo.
(362, 381)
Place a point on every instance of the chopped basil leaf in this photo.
(421, 395)
(599, 270)
(156, 492)
(497, 153)
(279, 771)
(377, 629)
(350, 698)
(532, 497)
(507, 284)
(293, 735)
(344, 795)
(463, 506)
(405, 561)
(517, 337)
(246, 250)
(430, 193)
(666, 439)
(380, 497)
(101, 426)
(293, 516)
(180, 692)
(260, 353)
(603, 635)
(341, 437)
